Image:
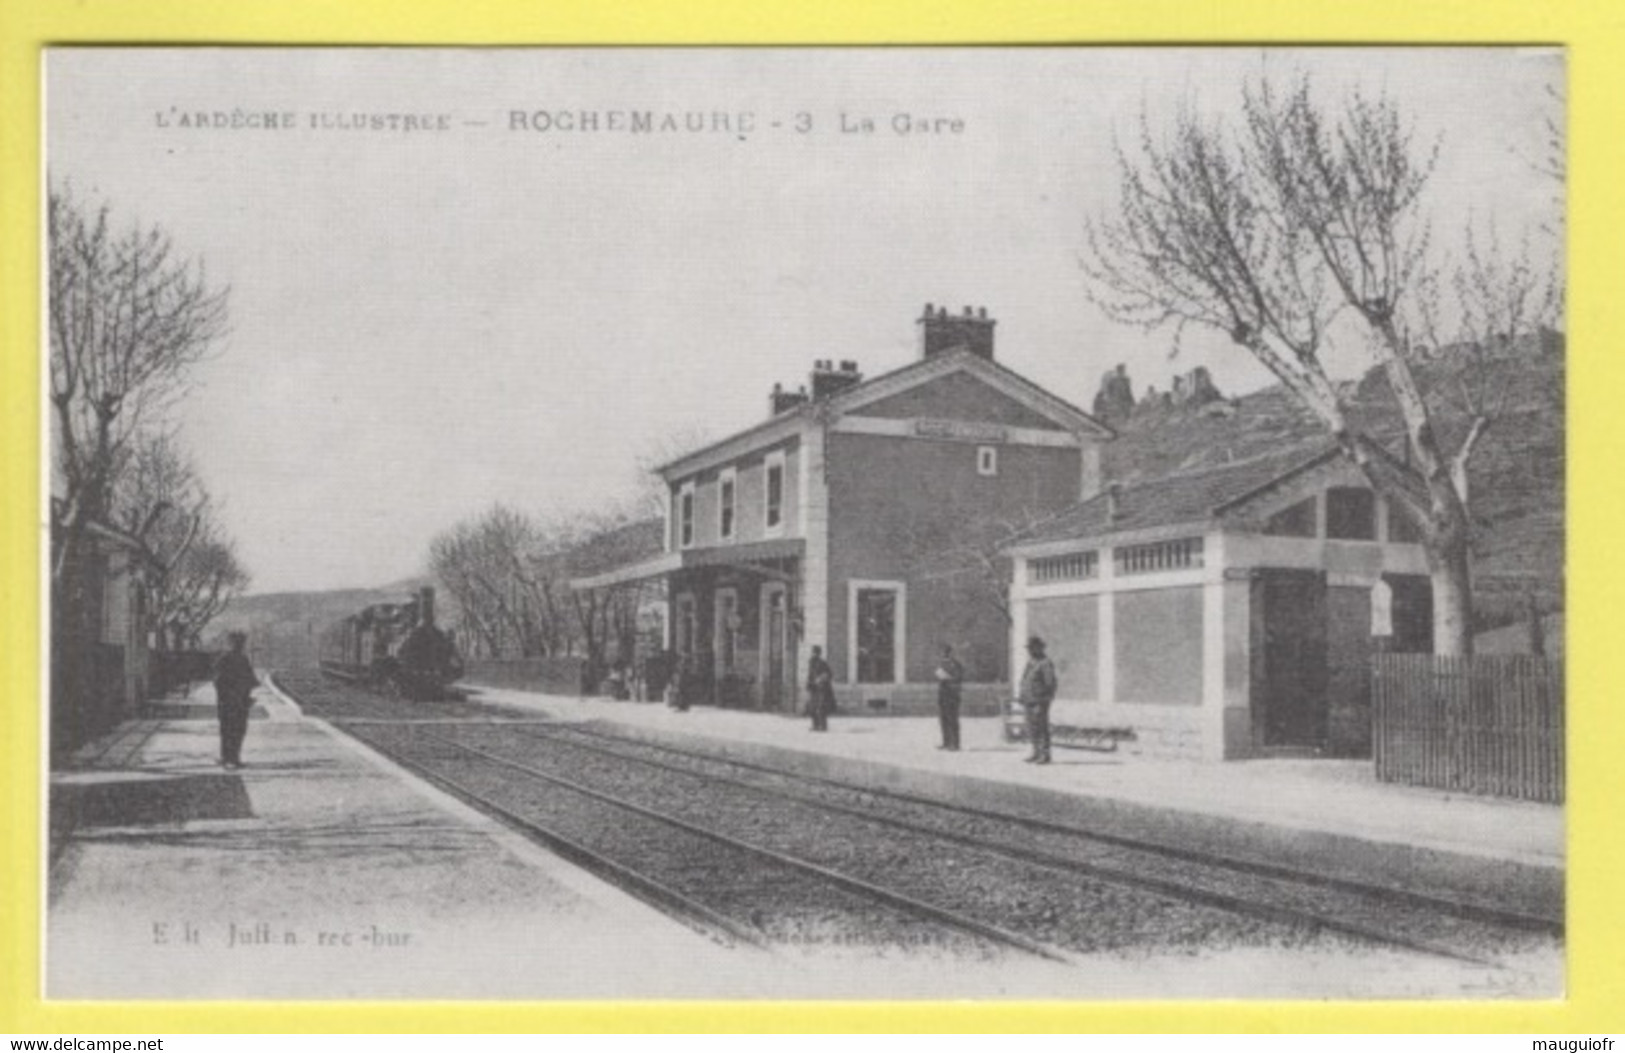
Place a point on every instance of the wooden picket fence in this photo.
(1489, 724)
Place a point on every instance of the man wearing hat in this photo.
(234, 684)
(1038, 686)
(950, 677)
(820, 690)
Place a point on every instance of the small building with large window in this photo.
(861, 516)
(1229, 611)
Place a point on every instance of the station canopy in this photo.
(750, 556)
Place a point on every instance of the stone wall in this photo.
(550, 676)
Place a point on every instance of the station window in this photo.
(685, 641)
(774, 504)
(1073, 566)
(1181, 554)
(685, 515)
(727, 629)
(987, 460)
(878, 616)
(1351, 514)
(726, 489)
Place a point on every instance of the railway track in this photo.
(1399, 913)
(757, 855)
(730, 889)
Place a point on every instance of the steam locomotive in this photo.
(396, 648)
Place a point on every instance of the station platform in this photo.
(320, 871)
(1326, 814)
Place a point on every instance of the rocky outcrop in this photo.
(1115, 400)
(1195, 388)
(1115, 403)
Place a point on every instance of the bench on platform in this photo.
(1073, 736)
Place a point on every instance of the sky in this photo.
(499, 304)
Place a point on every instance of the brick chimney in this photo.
(941, 331)
(782, 401)
(829, 379)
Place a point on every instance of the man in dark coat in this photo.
(656, 674)
(1038, 686)
(950, 675)
(682, 682)
(234, 683)
(820, 690)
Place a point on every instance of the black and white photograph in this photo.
(859, 523)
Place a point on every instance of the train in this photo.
(396, 648)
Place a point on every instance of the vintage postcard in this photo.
(767, 523)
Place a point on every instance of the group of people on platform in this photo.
(1038, 688)
(235, 681)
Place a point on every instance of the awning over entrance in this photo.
(746, 556)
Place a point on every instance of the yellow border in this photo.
(1592, 32)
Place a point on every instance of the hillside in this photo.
(284, 628)
(1515, 481)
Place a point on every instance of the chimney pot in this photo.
(943, 332)
(927, 310)
(827, 380)
(782, 400)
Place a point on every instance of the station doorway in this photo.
(1289, 660)
(778, 661)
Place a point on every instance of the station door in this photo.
(778, 668)
(1290, 672)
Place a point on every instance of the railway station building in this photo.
(1229, 611)
(101, 664)
(861, 516)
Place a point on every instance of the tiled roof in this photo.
(1181, 497)
(843, 398)
(924, 364)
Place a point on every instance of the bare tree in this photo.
(128, 318)
(1551, 159)
(609, 615)
(157, 493)
(161, 502)
(198, 588)
(648, 490)
(505, 571)
(960, 544)
(1268, 234)
(1502, 302)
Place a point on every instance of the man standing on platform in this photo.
(950, 675)
(820, 690)
(1038, 686)
(234, 683)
